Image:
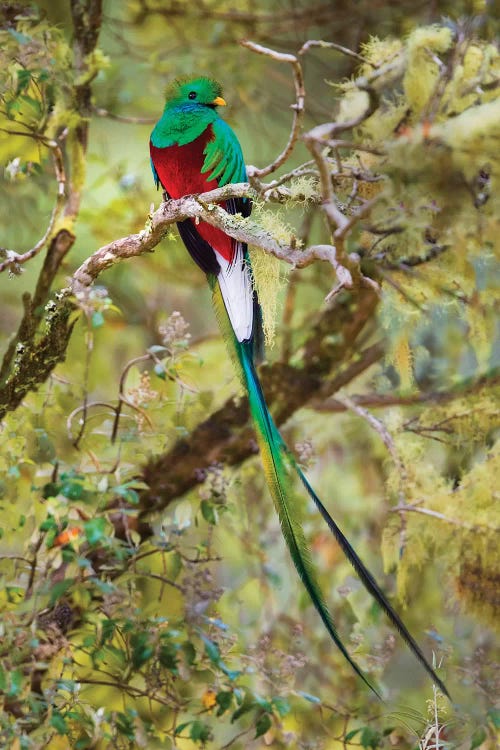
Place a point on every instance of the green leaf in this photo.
(49, 524)
(73, 490)
(350, 735)
(15, 683)
(199, 732)
(213, 653)
(128, 493)
(125, 724)
(51, 489)
(262, 725)
(247, 705)
(58, 589)
(108, 627)
(478, 738)
(223, 699)
(175, 564)
(20, 38)
(262, 702)
(211, 650)
(180, 728)
(370, 738)
(59, 723)
(142, 650)
(69, 685)
(167, 656)
(104, 586)
(23, 80)
(494, 716)
(189, 652)
(232, 674)
(208, 512)
(3, 680)
(159, 370)
(95, 530)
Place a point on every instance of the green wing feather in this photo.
(223, 156)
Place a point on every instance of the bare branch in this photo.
(14, 259)
(377, 425)
(298, 107)
(338, 47)
(385, 436)
(385, 400)
(479, 528)
(101, 112)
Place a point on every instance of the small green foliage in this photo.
(59, 723)
(262, 725)
(142, 649)
(95, 530)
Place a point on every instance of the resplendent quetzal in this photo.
(192, 151)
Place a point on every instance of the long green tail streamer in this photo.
(280, 468)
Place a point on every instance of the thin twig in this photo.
(385, 436)
(101, 112)
(298, 107)
(13, 258)
(338, 47)
(478, 529)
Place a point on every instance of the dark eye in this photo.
(192, 95)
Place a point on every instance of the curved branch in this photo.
(14, 259)
(298, 107)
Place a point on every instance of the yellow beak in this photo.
(219, 101)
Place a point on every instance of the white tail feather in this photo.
(236, 289)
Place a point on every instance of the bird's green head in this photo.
(194, 91)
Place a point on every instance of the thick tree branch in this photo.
(201, 207)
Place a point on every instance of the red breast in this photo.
(179, 170)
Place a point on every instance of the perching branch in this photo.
(202, 207)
